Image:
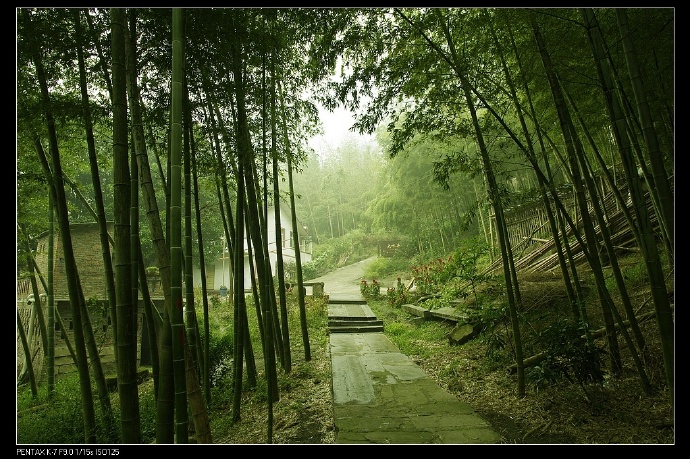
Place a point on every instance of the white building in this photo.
(220, 274)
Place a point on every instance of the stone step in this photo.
(345, 301)
(415, 310)
(357, 328)
(332, 318)
(353, 321)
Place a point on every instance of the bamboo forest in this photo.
(500, 200)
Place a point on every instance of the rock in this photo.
(462, 333)
(416, 310)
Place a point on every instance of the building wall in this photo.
(222, 273)
(86, 244)
(88, 254)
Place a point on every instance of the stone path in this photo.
(381, 396)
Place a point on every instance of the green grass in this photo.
(411, 335)
(58, 420)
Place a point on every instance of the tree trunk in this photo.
(296, 243)
(206, 361)
(126, 336)
(238, 323)
(280, 268)
(190, 319)
(165, 398)
(590, 236)
(68, 253)
(177, 319)
(96, 183)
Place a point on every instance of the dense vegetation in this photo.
(57, 419)
(180, 126)
(557, 409)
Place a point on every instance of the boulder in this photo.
(462, 333)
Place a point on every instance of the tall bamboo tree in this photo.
(90, 341)
(458, 69)
(127, 362)
(190, 319)
(239, 298)
(529, 151)
(600, 213)
(569, 136)
(206, 360)
(245, 155)
(63, 219)
(157, 321)
(27, 353)
(279, 239)
(659, 182)
(648, 244)
(177, 321)
(296, 241)
(96, 180)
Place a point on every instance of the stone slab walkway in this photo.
(380, 396)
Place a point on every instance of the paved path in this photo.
(379, 394)
(343, 283)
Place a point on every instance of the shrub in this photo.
(397, 296)
(382, 267)
(568, 356)
(430, 276)
(370, 291)
(220, 356)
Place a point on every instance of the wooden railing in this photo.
(23, 288)
(528, 225)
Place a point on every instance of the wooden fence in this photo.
(532, 241)
(528, 224)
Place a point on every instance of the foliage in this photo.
(398, 295)
(568, 355)
(220, 349)
(57, 419)
(463, 269)
(383, 267)
(370, 291)
(495, 344)
(429, 277)
(451, 277)
(221, 341)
